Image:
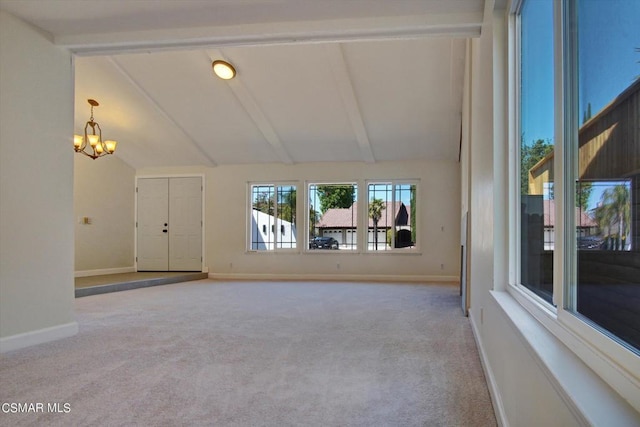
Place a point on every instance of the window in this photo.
(579, 239)
(391, 213)
(537, 204)
(333, 216)
(603, 143)
(273, 217)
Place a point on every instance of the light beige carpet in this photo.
(258, 354)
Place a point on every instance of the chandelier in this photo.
(91, 144)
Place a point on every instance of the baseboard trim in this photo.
(496, 399)
(40, 336)
(100, 272)
(336, 277)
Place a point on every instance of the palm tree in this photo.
(314, 217)
(615, 210)
(376, 206)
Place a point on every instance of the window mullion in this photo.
(363, 217)
(393, 218)
(569, 147)
(514, 155)
(560, 154)
(276, 188)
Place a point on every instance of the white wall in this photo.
(104, 191)
(226, 222)
(36, 187)
(520, 388)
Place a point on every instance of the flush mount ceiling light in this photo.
(97, 146)
(223, 69)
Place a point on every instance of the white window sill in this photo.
(273, 252)
(588, 396)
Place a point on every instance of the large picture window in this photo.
(604, 145)
(333, 216)
(577, 206)
(591, 212)
(273, 217)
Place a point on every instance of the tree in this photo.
(376, 206)
(287, 205)
(587, 114)
(313, 219)
(583, 194)
(263, 203)
(335, 196)
(614, 213)
(529, 156)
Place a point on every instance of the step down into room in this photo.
(94, 285)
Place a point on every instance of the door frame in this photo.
(203, 267)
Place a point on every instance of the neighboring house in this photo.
(586, 226)
(340, 223)
(539, 215)
(608, 151)
(263, 229)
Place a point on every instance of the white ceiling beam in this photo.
(462, 25)
(254, 111)
(345, 87)
(153, 102)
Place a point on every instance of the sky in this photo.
(537, 71)
(609, 32)
(608, 37)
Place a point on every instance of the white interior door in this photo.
(152, 224)
(185, 231)
(169, 224)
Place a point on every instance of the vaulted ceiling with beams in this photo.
(317, 81)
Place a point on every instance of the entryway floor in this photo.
(93, 285)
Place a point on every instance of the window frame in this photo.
(515, 217)
(616, 364)
(365, 216)
(249, 238)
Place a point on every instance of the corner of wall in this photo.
(36, 181)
